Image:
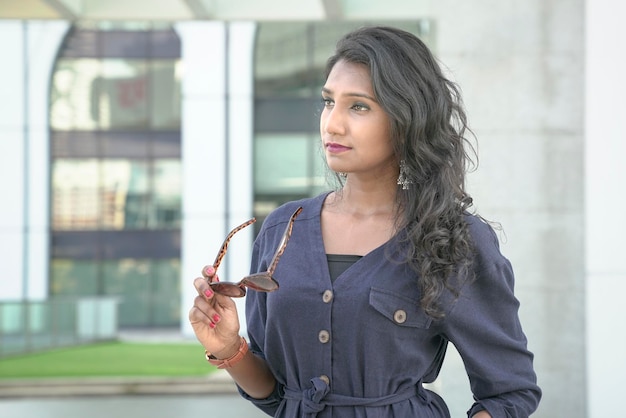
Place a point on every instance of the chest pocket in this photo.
(400, 310)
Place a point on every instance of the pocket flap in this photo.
(399, 309)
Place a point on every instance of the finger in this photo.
(203, 312)
(203, 288)
(208, 308)
(210, 274)
(197, 317)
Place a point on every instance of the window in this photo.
(94, 194)
(115, 94)
(116, 170)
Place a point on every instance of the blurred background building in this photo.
(134, 135)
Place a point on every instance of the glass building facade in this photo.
(116, 174)
(116, 171)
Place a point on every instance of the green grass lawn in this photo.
(110, 359)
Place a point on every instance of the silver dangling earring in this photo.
(403, 178)
(343, 175)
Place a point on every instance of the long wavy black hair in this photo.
(429, 127)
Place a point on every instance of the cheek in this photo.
(385, 142)
(385, 132)
(379, 130)
(322, 120)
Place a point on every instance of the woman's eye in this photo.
(327, 102)
(359, 107)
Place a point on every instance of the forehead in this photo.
(348, 75)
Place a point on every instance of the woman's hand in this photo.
(214, 318)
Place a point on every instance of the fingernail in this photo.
(208, 293)
(208, 271)
(211, 325)
(216, 318)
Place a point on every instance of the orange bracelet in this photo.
(231, 361)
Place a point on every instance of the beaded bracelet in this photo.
(232, 360)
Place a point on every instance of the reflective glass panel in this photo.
(110, 94)
(115, 113)
(167, 193)
(288, 164)
(91, 194)
(146, 288)
(74, 278)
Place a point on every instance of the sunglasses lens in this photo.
(228, 289)
(261, 282)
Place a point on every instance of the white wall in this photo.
(520, 66)
(29, 49)
(217, 151)
(605, 206)
(12, 119)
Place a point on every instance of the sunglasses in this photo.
(261, 282)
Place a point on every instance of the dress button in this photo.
(325, 379)
(327, 296)
(399, 316)
(323, 336)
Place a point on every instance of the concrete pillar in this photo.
(520, 65)
(605, 203)
(30, 49)
(216, 150)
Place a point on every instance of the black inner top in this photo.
(338, 263)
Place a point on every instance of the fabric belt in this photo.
(317, 397)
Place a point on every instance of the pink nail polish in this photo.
(211, 325)
(208, 293)
(216, 318)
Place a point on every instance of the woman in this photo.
(381, 274)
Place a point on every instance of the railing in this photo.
(29, 326)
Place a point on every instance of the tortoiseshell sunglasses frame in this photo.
(262, 281)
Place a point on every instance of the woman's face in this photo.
(355, 130)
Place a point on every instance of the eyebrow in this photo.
(365, 96)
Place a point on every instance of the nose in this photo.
(333, 121)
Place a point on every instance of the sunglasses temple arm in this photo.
(283, 242)
(224, 247)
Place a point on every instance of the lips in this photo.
(336, 148)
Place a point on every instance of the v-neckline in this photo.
(320, 241)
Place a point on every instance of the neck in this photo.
(367, 198)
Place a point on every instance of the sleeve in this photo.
(485, 328)
(255, 318)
